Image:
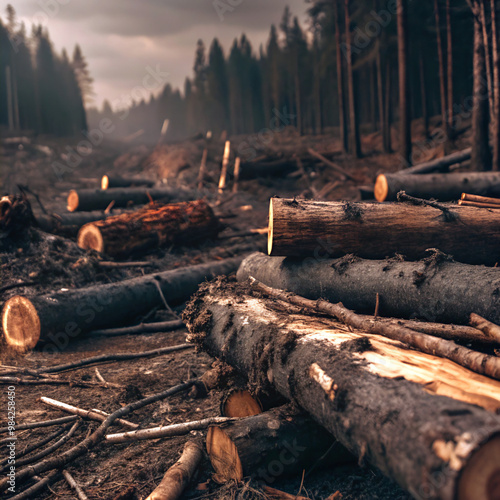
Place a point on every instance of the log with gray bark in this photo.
(382, 401)
(439, 164)
(152, 227)
(280, 442)
(434, 289)
(100, 199)
(57, 317)
(115, 181)
(375, 231)
(443, 187)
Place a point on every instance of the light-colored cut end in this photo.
(105, 182)
(270, 232)
(239, 404)
(20, 323)
(90, 238)
(480, 480)
(223, 456)
(381, 189)
(73, 201)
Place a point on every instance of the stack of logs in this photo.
(394, 357)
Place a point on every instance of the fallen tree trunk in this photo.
(433, 289)
(277, 168)
(443, 187)
(56, 318)
(439, 164)
(372, 393)
(177, 223)
(70, 224)
(279, 442)
(375, 231)
(114, 181)
(99, 199)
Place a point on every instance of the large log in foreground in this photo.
(56, 318)
(372, 393)
(155, 226)
(434, 289)
(279, 442)
(376, 231)
(443, 187)
(99, 199)
(114, 181)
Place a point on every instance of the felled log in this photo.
(439, 164)
(15, 214)
(276, 168)
(99, 199)
(178, 476)
(239, 403)
(57, 317)
(443, 187)
(114, 181)
(70, 224)
(177, 223)
(374, 231)
(378, 398)
(434, 289)
(273, 444)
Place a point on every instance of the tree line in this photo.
(40, 90)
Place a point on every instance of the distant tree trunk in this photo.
(318, 122)
(354, 139)
(423, 95)
(404, 83)
(298, 103)
(449, 43)
(487, 56)
(340, 80)
(481, 155)
(373, 95)
(442, 77)
(388, 115)
(380, 91)
(496, 89)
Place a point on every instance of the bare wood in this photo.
(164, 431)
(472, 360)
(443, 187)
(239, 403)
(203, 168)
(237, 164)
(487, 327)
(225, 164)
(179, 475)
(43, 423)
(164, 326)
(38, 486)
(274, 494)
(477, 204)
(304, 228)
(479, 199)
(74, 485)
(90, 414)
(156, 226)
(329, 163)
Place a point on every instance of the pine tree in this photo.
(85, 81)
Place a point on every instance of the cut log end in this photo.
(270, 232)
(73, 201)
(20, 323)
(240, 403)
(104, 182)
(90, 238)
(223, 456)
(481, 477)
(381, 189)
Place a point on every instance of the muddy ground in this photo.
(49, 263)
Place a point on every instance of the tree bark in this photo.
(423, 94)
(433, 289)
(114, 181)
(375, 231)
(280, 442)
(176, 223)
(388, 106)
(98, 199)
(449, 68)
(404, 84)
(340, 81)
(343, 380)
(439, 164)
(56, 318)
(380, 93)
(496, 88)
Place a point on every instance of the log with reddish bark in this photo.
(99, 199)
(434, 289)
(375, 231)
(280, 442)
(177, 223)
(57, 317)
(402, 410)
(115, 181)
(443, 187)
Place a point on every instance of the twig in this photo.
(26, 189)
(90, 414)
(487, 327)
(203, 167)
(449, 216)
(38, 486)
(73, 484)
(479, 199)
(166, 430)
(63, 459)
(473, 360)
(377, 305)
(51, 381)
(242, 234)
(326, 161)
(123, 265)
(43, 423)
(164, 300)
(164, 326)
(17, 285)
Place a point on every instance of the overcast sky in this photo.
(121, 39)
